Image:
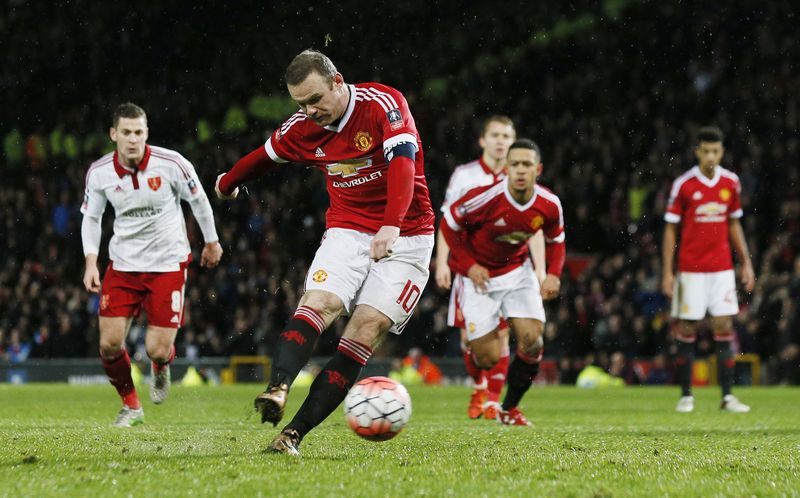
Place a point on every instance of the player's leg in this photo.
(455, 318)
(689, 305)
(164, 307)
(478, 376)
(523, 368)
(117, 365)
(685, 338)
(339, 268)
(317, 310)
(384, 303)
(723, 306)
(120, 300)
(364, 331)
(723, 339)
(496, 376)
(160, 346)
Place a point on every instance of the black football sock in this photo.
(331, 386)
(725, 363)
(684, 362)
(295, 345)
(521, 372)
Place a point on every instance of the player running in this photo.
(705, 201)
(487, 231)
(373, 259)
(497, 135)
(149, 251)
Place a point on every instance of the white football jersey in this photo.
(467, 177)
(149, 228)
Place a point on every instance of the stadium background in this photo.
(612, 92)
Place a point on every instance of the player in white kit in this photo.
(149, 251)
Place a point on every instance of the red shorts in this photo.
(125, 293)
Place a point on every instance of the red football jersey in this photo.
(498, 227)
(703, 206)
(351, 153)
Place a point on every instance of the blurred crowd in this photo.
(611, 91)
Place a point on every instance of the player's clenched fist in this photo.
(480, 277)
(381, 246)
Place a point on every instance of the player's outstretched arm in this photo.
(253, 165)
(739, 243)
(667, 257)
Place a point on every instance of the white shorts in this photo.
(392, 285)
(696, 293)
(515, 294)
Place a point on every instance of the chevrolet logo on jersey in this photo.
(514, 237)
(348, 168)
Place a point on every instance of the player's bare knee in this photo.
(722, 325)
(531, 345)
(159, 353)
(328, 305)
(109, 348)
(486, 358)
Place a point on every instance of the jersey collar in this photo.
(486, 169)
(517, 205)
(123, 169)
(351, 104)
(708, 182)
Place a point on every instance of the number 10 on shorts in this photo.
(409, 297)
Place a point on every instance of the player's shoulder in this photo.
(728, 174)
(478, 196)
(687, 177)
(380, 95)
(164, 152)
(293, 124)
(103, 164)
(547, 195)
(105, 160)
(467, 170)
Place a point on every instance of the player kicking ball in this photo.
(487, 230)
(373, 260)
(149, 251)
(705, 202)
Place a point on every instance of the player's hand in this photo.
(667, 284)
(480, 278)
(222, 196)
(91, 278)
(382, 242)
(443, 276)
(748, 277)
(212, 253)
(551, 285)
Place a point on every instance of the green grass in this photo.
(55, 440)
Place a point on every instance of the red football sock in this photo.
(472, 369)
(118, 370)
(496, 378)
(159, 367)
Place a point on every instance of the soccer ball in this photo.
(377, 408)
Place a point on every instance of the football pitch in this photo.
(56, 440)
